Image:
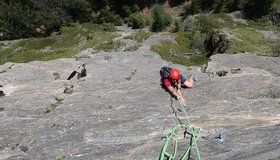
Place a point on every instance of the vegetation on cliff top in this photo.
(211, 30)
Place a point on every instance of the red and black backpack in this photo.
(164, 72)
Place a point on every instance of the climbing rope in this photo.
(172, 136)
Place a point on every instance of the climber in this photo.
(173, 81)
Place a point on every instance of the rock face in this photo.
(218, 42)
(120, 111)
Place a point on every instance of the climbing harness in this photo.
(172, 138)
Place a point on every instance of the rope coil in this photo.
(171, 136)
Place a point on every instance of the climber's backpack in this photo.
(164, 72)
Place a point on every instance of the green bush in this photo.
(199, 6)
(79, 10)
(20, 19)
(251, 8)
(175, 26)
(256, 8)
(108, 27)
(70, 42)
(197, 40)
(206, 23)
(231, 6)
(139, 36)
(218, 6)
(136, 21)
(225, 6)
(160, 18)
(276, 50)
(133, 48)
(192, 8)
(134, 8)
(176, 53)
(109, 46)
(107, 16)
(128, 10)
(275, 6)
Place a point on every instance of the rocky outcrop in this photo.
(120, 111)
(218, 43)
(80, 74)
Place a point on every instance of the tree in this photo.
(28, 18)
(160, 18)
(256, 8)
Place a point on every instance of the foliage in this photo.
(29, 18)
(128, 10)
(140, 36)
(249, 40)
(133, 48)
(256, 8)
(197, 31)
(107, 16)
(221, 20)
(79, 10)
(206, 6)
(226, 6)
(135, 21)
(22, 18)
(122, 6)
(200, 34)
(241, 37)
(172, 52)
(251, 8)
(60, 157)
(72, 40)
(108, 27)
(109, 46)
(176, 26)
(36, 18)
(196, 6)
(230, 6)
(160, 18)
(196, 39)
(180, 52)
(276, 50)
(275, 5)
(207, 23)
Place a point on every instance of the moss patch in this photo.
(245, 38)
(180, 52)
(109, 46)
(133, 48)
(140, 36)
(249, 40)
(72, 40)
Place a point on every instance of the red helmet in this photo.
(174, 74)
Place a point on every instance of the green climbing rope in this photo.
(172, 136)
